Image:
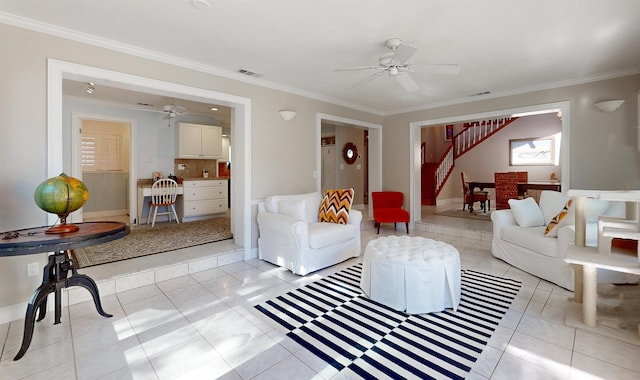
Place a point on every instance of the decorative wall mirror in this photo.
(350, 153)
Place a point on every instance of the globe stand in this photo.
(63, 227)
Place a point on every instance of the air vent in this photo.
(248, 73)
(481, 93)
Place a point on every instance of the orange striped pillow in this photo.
(556, 222)
(335, 206)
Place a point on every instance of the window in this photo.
(532, 151)
(100, 151)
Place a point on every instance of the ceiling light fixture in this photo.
(609, 105)
(287, 115)
(213, 109)
(90, 88)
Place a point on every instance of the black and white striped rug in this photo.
(359, 337)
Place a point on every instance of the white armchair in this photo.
(292, 237)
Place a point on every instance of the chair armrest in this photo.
(355, 218)
(292, 232)
(566, 237)
(501, 219)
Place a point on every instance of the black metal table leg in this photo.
(55, 279)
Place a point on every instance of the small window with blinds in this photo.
(100, 151)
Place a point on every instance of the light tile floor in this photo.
(203, 326)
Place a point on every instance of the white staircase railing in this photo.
(477, 131)
(444, 168)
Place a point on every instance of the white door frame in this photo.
(240, 129)
(415, 138)
(76, 165)
(375, 151)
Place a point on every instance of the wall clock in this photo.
(350, 153)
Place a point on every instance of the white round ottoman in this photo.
(412, 274)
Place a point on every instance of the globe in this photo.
(61, 195)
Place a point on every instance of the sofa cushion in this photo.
(526, 212)
(322, 235)
(558, 221)
(551, 202)
(312, 200)
(531, 238)
(335, 206)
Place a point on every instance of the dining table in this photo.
(522, 187)
(61, 261)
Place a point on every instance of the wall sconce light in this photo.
(90, 88)
(287, 115)
(609, 105)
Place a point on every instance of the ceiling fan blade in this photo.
(403, 52)
(434, 68)
(357, 68)
(407, 82)
(144, 109)
(369, 78)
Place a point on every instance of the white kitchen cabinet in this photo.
(199, 141)
(204, 197)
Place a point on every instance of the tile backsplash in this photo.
(194, 168)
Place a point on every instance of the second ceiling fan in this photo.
(396, 64)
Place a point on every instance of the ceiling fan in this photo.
(396, 64)
(172, 111)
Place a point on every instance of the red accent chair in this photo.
(387, 208)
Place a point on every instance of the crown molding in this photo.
(29, 24)
(57, 31)
(520, 91)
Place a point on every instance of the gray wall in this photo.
(282, 152)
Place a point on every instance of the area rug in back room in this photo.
(360, 338)
(145, 240)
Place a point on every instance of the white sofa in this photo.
(526, 246)
(292, 237)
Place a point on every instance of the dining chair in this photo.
(506, 188)
(163, 194)
(478, 196)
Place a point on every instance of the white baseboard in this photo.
(16, 312)
(104, 214)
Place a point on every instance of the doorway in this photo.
(563, 108)
(58, 143)
(101, 159)
(340, 131)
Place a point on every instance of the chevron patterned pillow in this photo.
(335, 206)
(558, 221)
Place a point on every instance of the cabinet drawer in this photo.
(195, 208)
(204, 183)
(200, 193)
